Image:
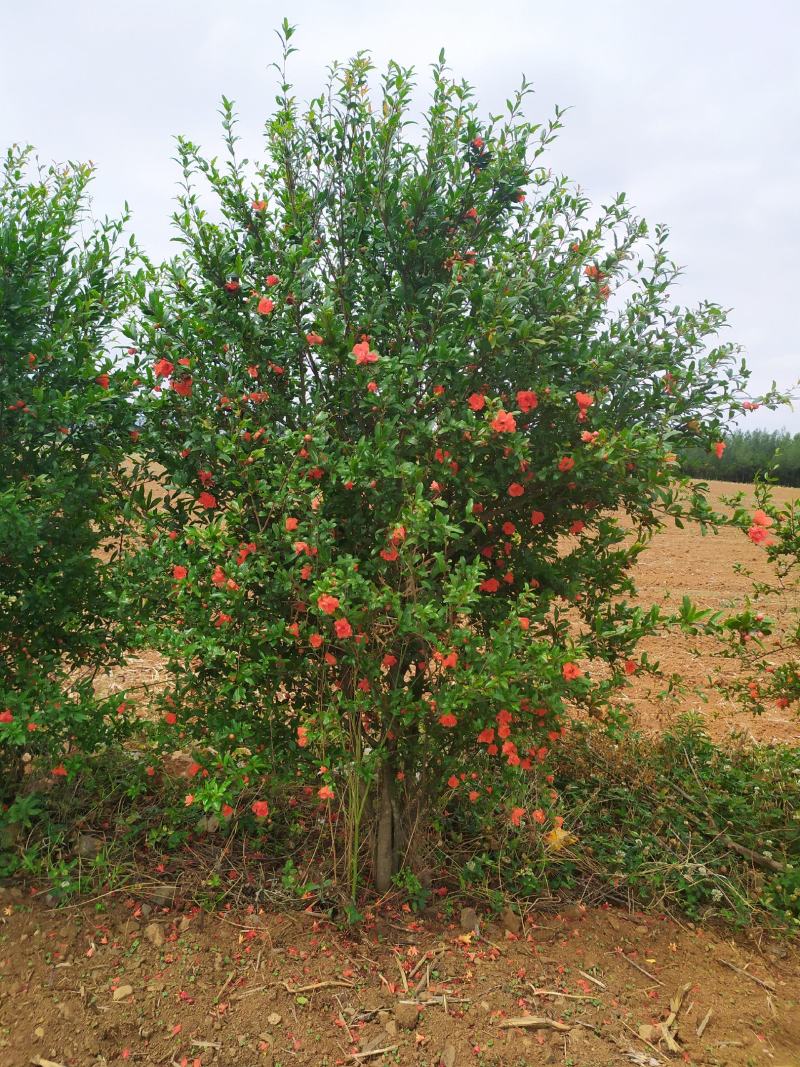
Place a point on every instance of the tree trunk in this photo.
(387, 839)
(11, 773)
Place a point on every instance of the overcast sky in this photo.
(691, 107)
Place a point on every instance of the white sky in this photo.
(691, 107)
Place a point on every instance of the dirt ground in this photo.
(684, 563)
(147, 978)
(151, 983)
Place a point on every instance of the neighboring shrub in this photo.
(400, 396)
(770, 657)
(64, 425)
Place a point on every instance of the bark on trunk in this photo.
(386, 836)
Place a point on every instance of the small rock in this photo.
(572, 913)
(274, 1018)
(391, 1028)
(448, 1056)
(146, 910)
(162, 895)
(469, 920)
(122, 992)
(406, 1015)
(128, 928)
(68, 1010)
(374, 1041)
(641, 929)
(614, 923)
(511, 921)
(155, 986)
(184, 924)
(88, 846)
(154, 934)
(39, 1032)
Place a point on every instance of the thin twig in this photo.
(373, 1052)
(752, 977)
(423, 982)
(641, 970)
(704, 1023)
(535, 1022)
(403, 978)
(120, 889)
(294, 990)
(225, 985)
(558, 993)
(427, 958)
(644, 1040)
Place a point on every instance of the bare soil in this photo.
(174, 986)
(684, 563)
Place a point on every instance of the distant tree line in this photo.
(747, 453)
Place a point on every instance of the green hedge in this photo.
(748, 453)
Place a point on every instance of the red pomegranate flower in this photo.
(162, 368)
(503, 422)
(327, 603)
(363, 355)
(527, 400)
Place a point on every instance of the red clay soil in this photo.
(159, 985)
